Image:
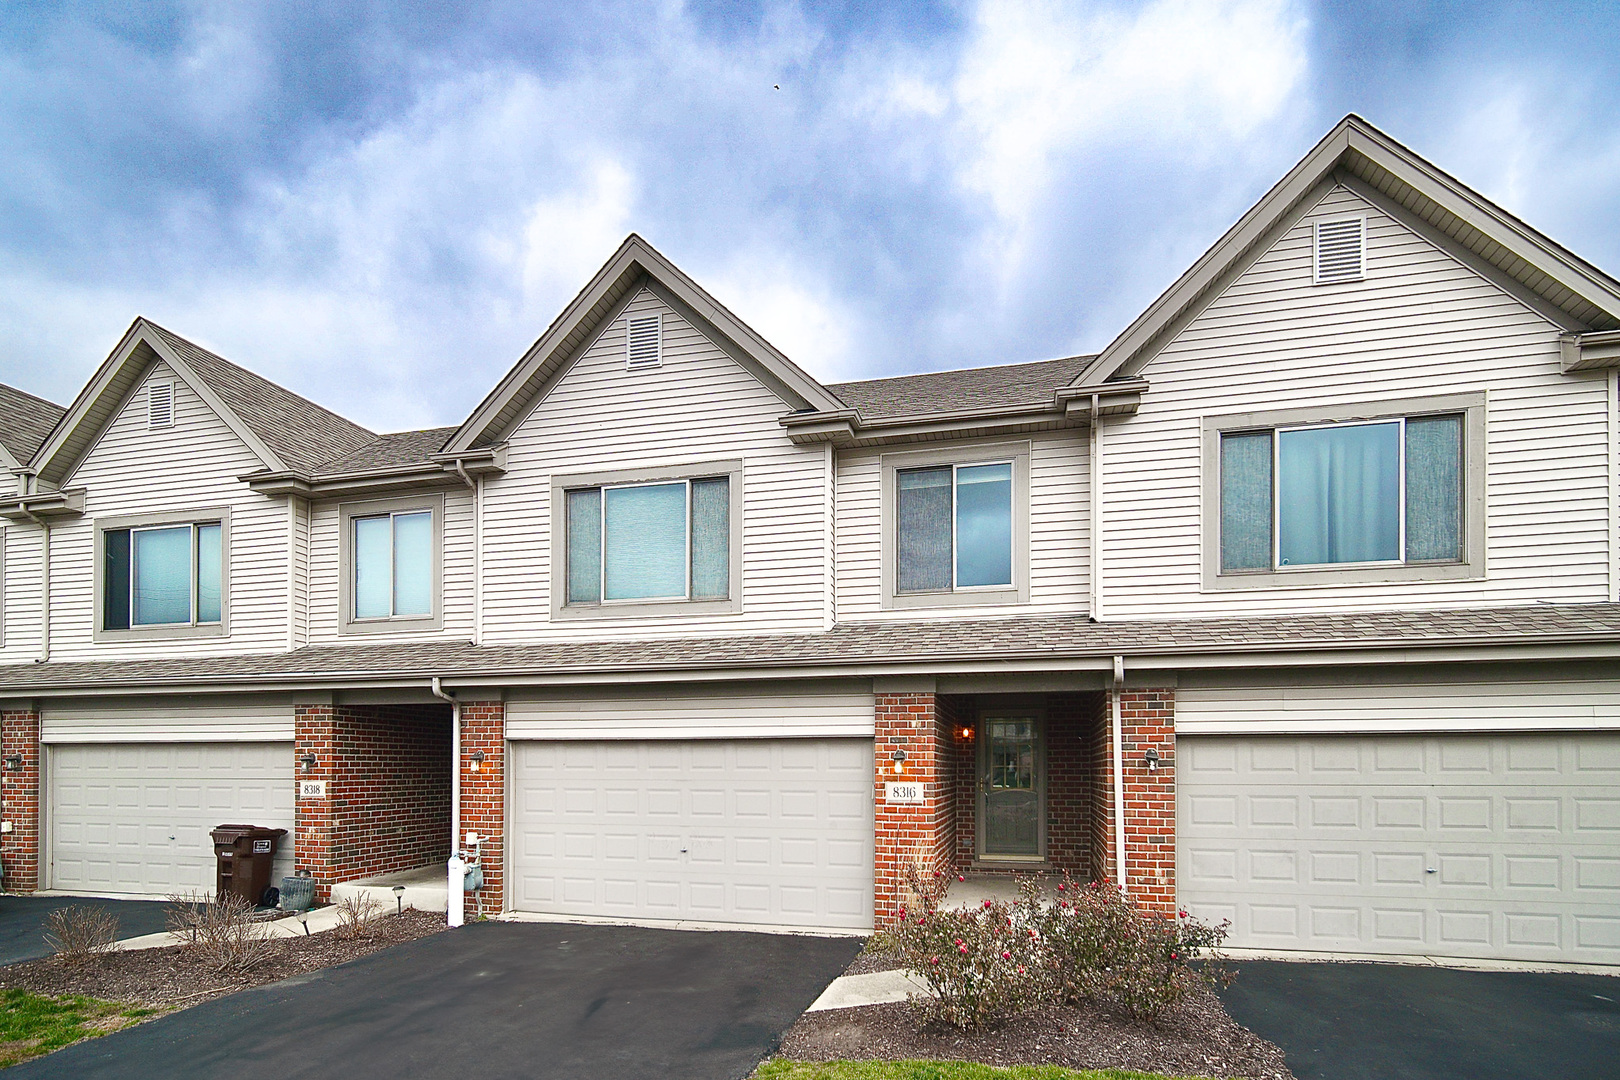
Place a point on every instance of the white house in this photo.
(1297, 606)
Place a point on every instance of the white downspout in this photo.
(457, 867)
(1095, 485)
(1118, 724)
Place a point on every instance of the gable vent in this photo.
(160, 405)
(645, 341)
(1341, 250)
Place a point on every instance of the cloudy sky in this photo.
(381, 205)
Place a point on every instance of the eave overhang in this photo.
(1590, 352)
(44, 506)
(1069, 407)
(440, 471)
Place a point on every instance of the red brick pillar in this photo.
(1147, 720)
(483, 799)
(19, 849)
(315, 733)
(916, 833)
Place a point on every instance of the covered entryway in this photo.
(1504, 846)
(772, 832)
(133, 818)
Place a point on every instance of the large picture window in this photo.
(1381, 492)
(162, 576)
(955, 527)
(639, 542)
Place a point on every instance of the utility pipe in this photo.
(456, 880)
(1118, 723)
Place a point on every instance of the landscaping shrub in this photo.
(1081, 943)
(81, 932)
(355, 914)
(224, 931)
(980, 964)
(1101, 947)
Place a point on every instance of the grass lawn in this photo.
(932, 1070)
(31, 1025)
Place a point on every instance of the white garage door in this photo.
(133, 818)
(1503, 846)
(757, 831)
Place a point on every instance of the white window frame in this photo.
(133, 523)
(1012, 510)
(1472, 566)
(646, 607)
(392, 516)
(686, 546)
(348, 513)
(196, 553)
(1277, 565)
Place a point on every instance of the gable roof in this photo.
(25, 421)
(1006, 385)
(636, 265)
(1547, 276)
(389, 451)
(284, 430)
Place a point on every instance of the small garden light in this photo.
(399, 899)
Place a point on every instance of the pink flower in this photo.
(1173, 956)
(1006, 956)
(987, 903)
(1060, 886)
(1020, 971)
(961, 877)
(935, 961)
(963, 949)
(959, 941)
(1183, 914)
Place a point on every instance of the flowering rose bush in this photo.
(1083, 943)
(981, 964)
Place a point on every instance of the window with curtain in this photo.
(166, 575)
(955, 527)
(393, 565)
(658, 541)
(1378, 492)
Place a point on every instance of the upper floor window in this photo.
(1369, 493)
(629, 541)
(391, 563)
(160, 576)
(956, 526)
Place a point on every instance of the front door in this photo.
(1010, 780)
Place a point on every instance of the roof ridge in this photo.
(964, 370)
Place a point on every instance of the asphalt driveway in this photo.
(493, 1000)
(22, 921)
(1403, 1022)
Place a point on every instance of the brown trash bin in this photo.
(243, 856)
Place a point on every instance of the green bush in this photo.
(1081, 943)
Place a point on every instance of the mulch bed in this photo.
(1196, 1038)
(175, 977)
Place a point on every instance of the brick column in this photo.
(483, 799)
(918, 834)
(315, 732)
(19, 849)
(1147, 720)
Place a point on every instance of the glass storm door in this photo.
(1009, 787)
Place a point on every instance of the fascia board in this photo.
(375, 481)
(635, 258)
(1574, 647)
(212, 400)
(61, 437)
(1249, 229)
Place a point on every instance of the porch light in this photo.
(1151, 760)
(899, 758)
(307, 761)
(14, 762)
(964, 734)
(477, 759)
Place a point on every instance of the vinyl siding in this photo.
(20, 641)
(325, 607)
(699, 406)
(1059, 530)
(1421, 324)
(191, 465)
(224, 719)
(298, 568)
(836, 709)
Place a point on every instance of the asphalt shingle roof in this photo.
(910, 643)
(298, 431)
(385, 451)
(25, 421)
(956, 391)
